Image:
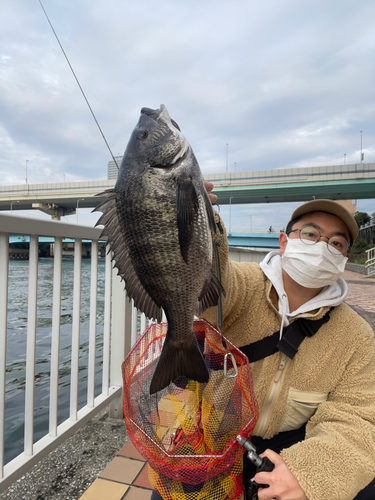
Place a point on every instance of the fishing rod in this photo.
(262, 465)
(79, 85)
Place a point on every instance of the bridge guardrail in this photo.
(370, 262)
(119, 317)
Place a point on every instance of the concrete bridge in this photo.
(340, 182)
(19, 244)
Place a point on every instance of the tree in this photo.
(359, 246)
(373, 217)
(362, 218)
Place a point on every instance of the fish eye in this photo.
(142, 134)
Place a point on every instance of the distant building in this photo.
(112, 168)
(349, 205)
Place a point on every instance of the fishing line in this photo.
(79, 85)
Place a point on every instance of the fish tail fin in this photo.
(176, 360)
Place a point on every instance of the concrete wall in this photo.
(239, 254)
(357, 268)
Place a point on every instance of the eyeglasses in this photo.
(310, 235)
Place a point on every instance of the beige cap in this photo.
(331, 207)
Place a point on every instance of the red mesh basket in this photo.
(187, 432)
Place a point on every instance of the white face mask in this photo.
(312, 266)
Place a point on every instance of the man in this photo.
(318, 408)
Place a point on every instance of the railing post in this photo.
(76, 327)
(31, 345)
(93, 329)
(4, 272)
(120, 338)
(370, 262)
(55, 340)
(107, 323)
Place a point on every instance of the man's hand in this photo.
(282, 484)
(209, 187)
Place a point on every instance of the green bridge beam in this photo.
(296, 191)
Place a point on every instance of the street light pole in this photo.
(251, 224)
(230, 213)
(81, 199)
(361, 148)
(344, 158)
(226, 168)
(11, 205)
(26, 170)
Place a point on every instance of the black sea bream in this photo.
(159, 222)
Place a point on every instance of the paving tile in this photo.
(361, 296)
(137, 494)
(109, 490)
(130, 451)
(351, 275)
(123, 470)
(142, 480)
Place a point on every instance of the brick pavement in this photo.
(125, 478)
(361, 295)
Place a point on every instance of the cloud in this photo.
(284, 84)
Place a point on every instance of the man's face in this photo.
(327, 224)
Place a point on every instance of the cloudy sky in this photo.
(283, 83)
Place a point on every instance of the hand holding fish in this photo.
(209, 187)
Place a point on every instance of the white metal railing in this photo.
(120, 332)
(370, 262)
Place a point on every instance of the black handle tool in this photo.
(262, 465)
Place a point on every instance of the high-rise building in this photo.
(112, 168)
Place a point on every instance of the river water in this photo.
(16, 346)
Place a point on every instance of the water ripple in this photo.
(16, 346)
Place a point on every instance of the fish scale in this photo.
(159, 223)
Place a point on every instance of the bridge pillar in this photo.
(55, 211)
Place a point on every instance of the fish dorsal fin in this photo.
(187, 211)
(121, 256)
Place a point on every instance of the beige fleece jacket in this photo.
(330, 384)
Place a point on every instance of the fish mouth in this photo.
(161, 113)
(154, 113)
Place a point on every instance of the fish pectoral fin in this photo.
(187, 212)
(210, 294)
(179, 359)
